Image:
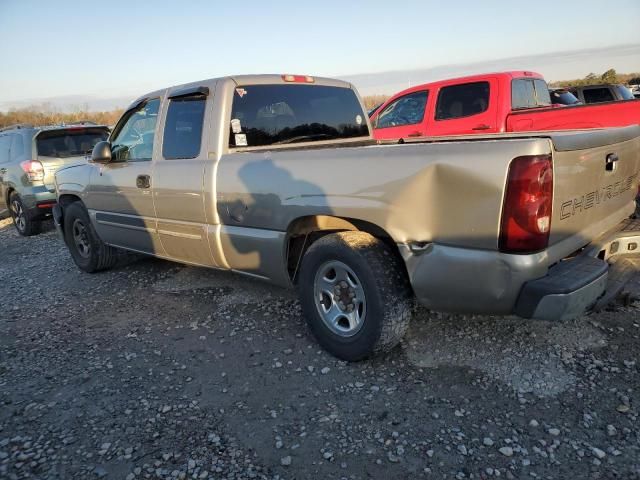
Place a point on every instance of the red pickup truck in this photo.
(516, 101)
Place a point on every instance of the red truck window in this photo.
(529, 93)
(406, 110)
(464, 100)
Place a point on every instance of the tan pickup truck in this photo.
(277, 177)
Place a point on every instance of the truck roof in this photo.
(469, 79)
(258, 79)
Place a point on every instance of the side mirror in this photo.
(101, 152)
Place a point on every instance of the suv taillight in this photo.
(526, 213)
(34, 170)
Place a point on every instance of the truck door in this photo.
(403, 117)
(179, 176)
(467, 108)
(119, 198)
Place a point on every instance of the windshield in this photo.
(625, 93)
(562, 97)
(280, 114)
(71, 142)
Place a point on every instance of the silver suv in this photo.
(29, 158)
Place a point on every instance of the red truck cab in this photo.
(490, 103)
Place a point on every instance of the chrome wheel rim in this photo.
(18, 215)
(81, 238)
(339, 298)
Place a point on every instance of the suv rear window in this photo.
(280, 114)
(597, 95)
(464, 100)
(69, 142)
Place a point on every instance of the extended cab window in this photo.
(624, 92)
(464, 100)
(17, 147)
(597, 95)
(133, 137)
(529, 93)
(406, 110)
(280, 114)
(183, 127)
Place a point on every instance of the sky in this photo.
(117, 50)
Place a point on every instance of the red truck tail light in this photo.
(298, 78)
(33, 169)
(526, 213)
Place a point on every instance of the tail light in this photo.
(34, 170)
(526, 213)
(298, 78)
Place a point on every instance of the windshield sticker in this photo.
(241, 92)
(359, 119)
(236, 127)
(241, 140)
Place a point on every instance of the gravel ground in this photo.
(158, 370)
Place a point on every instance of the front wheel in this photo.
(355, 295)
(89, 253)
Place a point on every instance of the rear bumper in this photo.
(589, 280)
(478, 281)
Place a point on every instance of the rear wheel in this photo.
(87, 250)
(22, 219)
(355, 295)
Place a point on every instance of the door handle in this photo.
(415, 134)
(143, 181)
(611, 162)
(482, 126)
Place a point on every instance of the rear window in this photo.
(597, 95)
(183, 127)
(464, 100)
(281, 114)
(529, 93)
(69, 143)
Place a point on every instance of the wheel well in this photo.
(304, 231)
(67, 199)
(8, 195)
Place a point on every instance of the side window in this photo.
(597, 95)
(459, 101)
(406, 110)
(132, 138)
(5, 143)
(17, 147)
(183, 127)
(523, 94)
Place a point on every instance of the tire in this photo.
(24, 222)
(89, 253)
(364, 267)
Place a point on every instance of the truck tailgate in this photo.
(595, 182)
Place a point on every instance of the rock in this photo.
(622, 408)
(327, 455)
(100, 472)
(554, 431)
(325, 370)
(285, 461)
(487, 441)
(534, 423)
(611, 430)
(506, 451)
(598, 453)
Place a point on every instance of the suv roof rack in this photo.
(16, 126)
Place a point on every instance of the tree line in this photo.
(44, 114)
